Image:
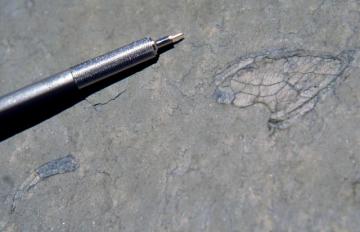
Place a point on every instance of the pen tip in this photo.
(177, 37)
(167, 40)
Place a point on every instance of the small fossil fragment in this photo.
(289, 83)
(51, 168)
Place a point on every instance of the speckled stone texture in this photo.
(156, 150)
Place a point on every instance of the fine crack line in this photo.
(98, 104)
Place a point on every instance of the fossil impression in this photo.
(288, 83)
(58, 166)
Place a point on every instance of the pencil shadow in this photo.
(29, 117)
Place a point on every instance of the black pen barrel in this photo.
(26, 98)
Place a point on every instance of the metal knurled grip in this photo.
(99, 68)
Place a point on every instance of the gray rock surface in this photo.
(156, 151)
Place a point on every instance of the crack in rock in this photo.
(96, 105)
(289, 83)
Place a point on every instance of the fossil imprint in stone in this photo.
(58, 166)
(288, 83)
